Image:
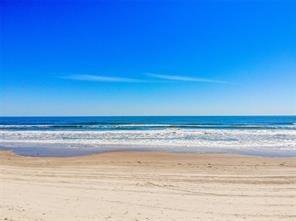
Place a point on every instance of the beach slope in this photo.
(147, 186)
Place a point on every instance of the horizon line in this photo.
(201, 115)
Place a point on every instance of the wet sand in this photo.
(147, 186)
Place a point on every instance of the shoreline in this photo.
(53, 151)
(147, 158)
(147, 186)
(144, 153)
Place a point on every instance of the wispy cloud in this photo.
(151, 78)
(100, 78)
(185, 78)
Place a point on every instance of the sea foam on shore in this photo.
(276, 135)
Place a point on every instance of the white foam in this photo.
(194, 138)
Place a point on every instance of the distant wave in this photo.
(134, 126)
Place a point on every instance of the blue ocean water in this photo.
(275, 135)
(147, 123)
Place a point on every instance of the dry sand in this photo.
(147, 186)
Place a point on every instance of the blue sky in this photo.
(147, 57)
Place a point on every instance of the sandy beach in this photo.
(147, 186)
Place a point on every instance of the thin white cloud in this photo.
(100, 78)
(156, 78)
(185, 78)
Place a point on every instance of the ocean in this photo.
(64, 136)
